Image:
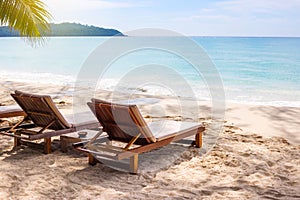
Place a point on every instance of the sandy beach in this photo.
(255, 156)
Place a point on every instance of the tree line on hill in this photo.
(67, 29)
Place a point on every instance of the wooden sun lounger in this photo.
(46, 120)
(125, 123)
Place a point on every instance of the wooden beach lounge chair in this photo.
(124, 123)
(46, 120)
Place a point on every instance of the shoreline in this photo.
(9, 79)
(265, 120)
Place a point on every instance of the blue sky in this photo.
(189, 17)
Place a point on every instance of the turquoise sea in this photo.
(254, 70)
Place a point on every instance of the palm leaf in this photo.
(29, 17)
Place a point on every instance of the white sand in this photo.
(242, 165)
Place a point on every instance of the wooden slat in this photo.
(50, 134)
(27, 132)
(141, 124)
(14, 135)
(131, 142)
(39, 113)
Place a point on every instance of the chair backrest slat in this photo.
(121, 122)
(41, 110)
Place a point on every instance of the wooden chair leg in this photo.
(47, 145)
(92, 159)
(198, 139)
(134, 162)
(17, 141)
(63, 145)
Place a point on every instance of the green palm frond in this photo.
(29, 17)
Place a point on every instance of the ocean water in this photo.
(253, 70)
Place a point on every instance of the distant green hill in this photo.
(67, 29)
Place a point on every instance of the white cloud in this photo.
(259, 6)
(90, 4)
